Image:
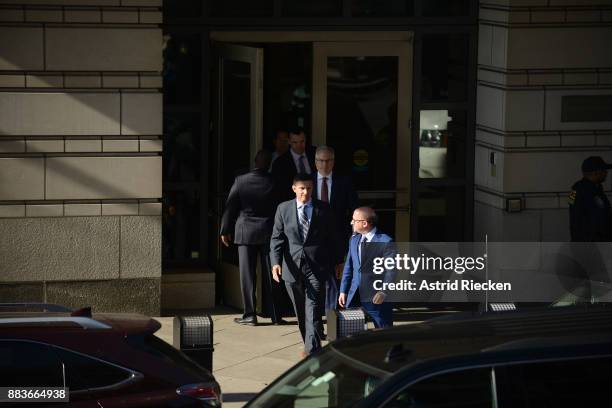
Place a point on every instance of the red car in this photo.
(104, 360)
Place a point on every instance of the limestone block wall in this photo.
(80, 153)
(544, 104)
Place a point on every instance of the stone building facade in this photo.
(80, 153)
(544, 104)
(81, 134)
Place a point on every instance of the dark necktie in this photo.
(301, 164)
(361, 245)
(324, 191)
(304, 223)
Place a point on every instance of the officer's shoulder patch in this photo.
(572, 197)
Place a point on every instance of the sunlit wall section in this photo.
(80, 153)
(544, 104)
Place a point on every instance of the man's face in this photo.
(297, 142)
(302, 190)
(324, 162)
(281, 143)
(360, 225)
(602, 174)
(597, 176)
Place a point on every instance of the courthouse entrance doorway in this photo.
(348, 90)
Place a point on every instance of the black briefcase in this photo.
(345, 322)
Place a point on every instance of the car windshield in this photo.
(327, 379)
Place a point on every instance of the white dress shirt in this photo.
(367, 237)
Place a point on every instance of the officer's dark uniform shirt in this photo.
(590, 213)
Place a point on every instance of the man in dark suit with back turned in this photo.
(249, 213)
(299, 159)
(304, 243)
(338, 191)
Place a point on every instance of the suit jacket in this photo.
(343, 202)
(284, 169)
(250, 207)
(319, 248)
(351, 276)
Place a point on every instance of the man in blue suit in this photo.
(364, 225)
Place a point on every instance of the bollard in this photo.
(193, 335)
(345, 322)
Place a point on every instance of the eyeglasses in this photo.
(324, 161)
(354, 221)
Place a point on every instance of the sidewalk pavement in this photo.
(246, 358)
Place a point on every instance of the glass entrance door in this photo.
(237, 130)
(362, 108)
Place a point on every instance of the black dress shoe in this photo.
(280, 322)
(247, 321)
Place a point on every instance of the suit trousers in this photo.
(381, 315)
(307, 295)
(247, 259)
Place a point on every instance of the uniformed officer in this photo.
(590, 213)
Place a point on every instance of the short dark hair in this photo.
(296, 130)
(263, 158)
(302, 177)
(279, 131)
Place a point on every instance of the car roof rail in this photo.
(39, 307)
(37, 321)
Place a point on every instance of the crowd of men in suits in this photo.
(303, 222)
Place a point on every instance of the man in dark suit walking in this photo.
(304, 243)
(249, 212)
(299, 159)
(338, 191)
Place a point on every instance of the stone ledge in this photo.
(186, 291)
(76, 208)
(118, 295)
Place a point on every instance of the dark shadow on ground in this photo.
(215, 311)
(238, 396)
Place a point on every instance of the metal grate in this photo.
(502, 307)
(350, 321)
(196, 330)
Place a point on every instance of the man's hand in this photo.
(226, 239)
(342, 300)
(378, 298)
(276, 273)
(339, 269)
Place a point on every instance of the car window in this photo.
(28, 364)
(470, 388)
(159, 348)
(327, 379)
(570, 383)
(83, 372)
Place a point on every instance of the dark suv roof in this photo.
(468, 335)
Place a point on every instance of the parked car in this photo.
(559, 357)
(105, 360)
